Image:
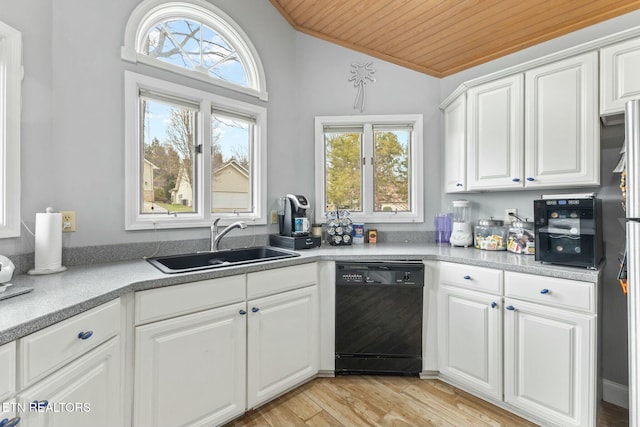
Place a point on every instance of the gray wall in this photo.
(73, 124)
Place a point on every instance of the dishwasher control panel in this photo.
(383, 273)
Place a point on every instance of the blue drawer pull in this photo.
(458, 185)
(529, 178)
(242, 312)
(494, 305)
(85, 335)
(255, 309)
(11, 423)
(516, 180)
(544, 291)
(467, 277)
(510, 308)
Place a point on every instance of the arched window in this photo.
(194, 38)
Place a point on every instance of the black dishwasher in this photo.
(379, 317)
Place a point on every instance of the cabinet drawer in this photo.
(564, 293)
(471, 277)
(270, 282)
(8, 371)
(45, 351)
(163, 303)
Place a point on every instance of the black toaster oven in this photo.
(568, 231)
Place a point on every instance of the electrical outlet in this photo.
(508, 219)
(68, 221)
(274, 217)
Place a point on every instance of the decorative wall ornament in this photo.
(360, 74)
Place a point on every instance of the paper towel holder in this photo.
(50, 222)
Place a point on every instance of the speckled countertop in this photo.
(59, 296)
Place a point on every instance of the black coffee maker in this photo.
(294, 219)
(294, 224)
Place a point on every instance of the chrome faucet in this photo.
(215, 237)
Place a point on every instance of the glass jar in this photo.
(521, 238)
(490, 235)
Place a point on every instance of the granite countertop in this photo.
(59, 296)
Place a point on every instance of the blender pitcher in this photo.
(461, 233)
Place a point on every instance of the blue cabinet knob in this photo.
(494, 304)
(530, 178)
(516, 180)
(467, 277)
(255, 309)
(510, 308)
(544, 291)
(242, 312)
(459, 184)
(85, 335)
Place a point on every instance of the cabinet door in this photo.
(562, 136)
(87, 392)
(619, 77)
(454, 121)
(470, 339)
(190, 370)
(8, 371)
(283, 338)
(550, 363)
(495, 134)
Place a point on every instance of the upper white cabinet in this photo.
(495, 134)
(454, 122)
(619, 76)
(562, 131)
(536, 128)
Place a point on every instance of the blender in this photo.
(461, 233)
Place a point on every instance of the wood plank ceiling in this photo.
(443, 37)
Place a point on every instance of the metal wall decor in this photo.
(360, 73)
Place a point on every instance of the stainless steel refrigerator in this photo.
(632, 149)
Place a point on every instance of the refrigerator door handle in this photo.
(632, 154)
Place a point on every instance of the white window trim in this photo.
(134, 220)
(149, 12)
(417, 180)
(10, 95)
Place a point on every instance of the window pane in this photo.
(343, 170)
(194, 46)
(391, 170)
(231, 163)
(169, 166)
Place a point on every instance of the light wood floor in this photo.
(389, 401)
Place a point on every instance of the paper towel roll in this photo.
(48, 248)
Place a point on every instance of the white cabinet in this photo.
(536, 351)
(204, 354)
(283, 340)
(454, 122)
(190, 370)
(562, 130)
(495, 134)
(87, 392)
(8, 371)
(550, 348)
(550, 363)
(619, 76)
(470, 339)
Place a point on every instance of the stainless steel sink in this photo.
(224, 258)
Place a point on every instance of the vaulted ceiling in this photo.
(443, 37)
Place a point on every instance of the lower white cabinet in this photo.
(550, 362)
(190, 370)
(470, 339)
(204, 352)
(283, 340)
(532, 345)
(87, 392)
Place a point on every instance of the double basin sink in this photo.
(223, 258)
